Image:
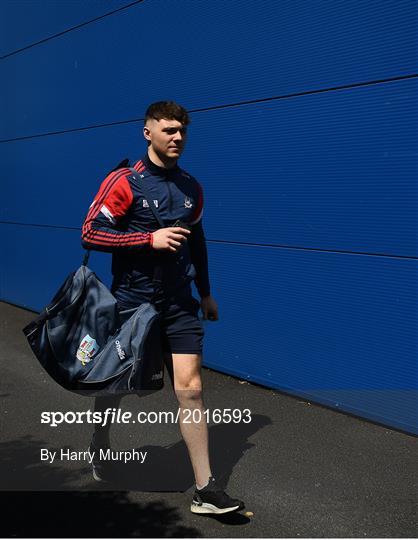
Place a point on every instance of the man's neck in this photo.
(165, 163)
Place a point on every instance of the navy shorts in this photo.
(182, 330)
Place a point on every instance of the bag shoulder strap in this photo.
(124, 163)
(149, 200)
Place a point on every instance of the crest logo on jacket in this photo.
(87, 349)
(188, 203)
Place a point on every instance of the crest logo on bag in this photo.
(188, 203)
(87, 349)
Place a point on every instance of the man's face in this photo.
(167, 137)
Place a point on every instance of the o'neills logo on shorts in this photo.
(120, 351)
(87, 349)
(157, 376)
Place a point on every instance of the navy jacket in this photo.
(120, 221)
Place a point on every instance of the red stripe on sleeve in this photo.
(104, 190)
(116, 194)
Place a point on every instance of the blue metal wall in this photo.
(304, 136)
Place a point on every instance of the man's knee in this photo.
(189, 389)
(187, 379)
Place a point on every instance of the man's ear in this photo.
(146, 132)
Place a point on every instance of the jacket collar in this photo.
(155, 169)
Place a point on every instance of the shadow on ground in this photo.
(88, 515)
(165, 468)
(169, 469)
(107, 511)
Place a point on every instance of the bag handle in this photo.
(86, 258)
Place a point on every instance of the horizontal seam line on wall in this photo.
(232, 242)
(216, 107)
(69, 30)
(279, 246)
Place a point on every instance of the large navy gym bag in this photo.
(89, 347)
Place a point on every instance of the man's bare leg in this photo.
(188, 388)
(101, 433)
(102, 470)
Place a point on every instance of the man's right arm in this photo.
(111, 203)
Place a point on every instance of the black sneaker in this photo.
(102, 470)
(213, 500)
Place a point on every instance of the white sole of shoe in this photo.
(206, 508)
(96, 477)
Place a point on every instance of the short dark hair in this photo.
(169, 110)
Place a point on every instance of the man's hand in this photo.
(169, 239)
(209, 308)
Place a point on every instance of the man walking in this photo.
(120, 221)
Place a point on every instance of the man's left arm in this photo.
(199, 257)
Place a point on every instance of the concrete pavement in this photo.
(302, 469)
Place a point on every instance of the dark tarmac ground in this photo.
(302, 469)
